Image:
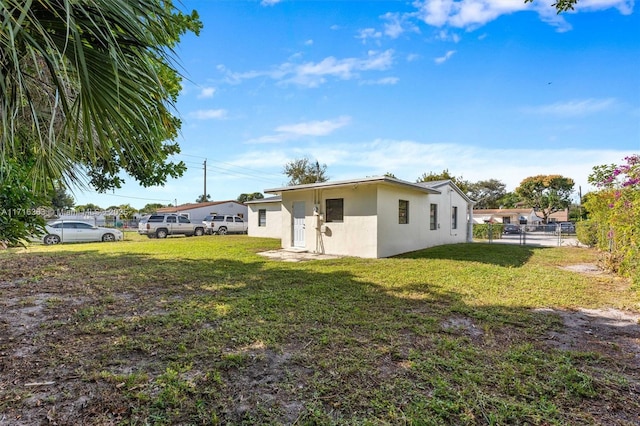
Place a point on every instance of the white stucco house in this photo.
(371, 217)
(198, 211)
(265, 217)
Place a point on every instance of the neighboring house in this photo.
(514, 216)
(372, 217)
(520, 216)
(561, 216)
(265, 217)
(198, 211)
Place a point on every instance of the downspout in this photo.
(470, 223)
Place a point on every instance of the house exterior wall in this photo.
(273, 228)
(356, 235)
(395, 238)
(286, 217)
(370, 226)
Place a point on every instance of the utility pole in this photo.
(204, 196)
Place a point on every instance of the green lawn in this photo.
(203, 330)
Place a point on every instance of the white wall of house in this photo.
(273, 226)
(356, 235)
(371, 227)
(446, 233)
(395, 238)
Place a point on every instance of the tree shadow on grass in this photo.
(135, 339)
(493, 254)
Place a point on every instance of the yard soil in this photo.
(43, 380)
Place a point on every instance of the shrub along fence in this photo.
(614, 228)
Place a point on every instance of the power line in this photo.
(222, 170)
(259, 173)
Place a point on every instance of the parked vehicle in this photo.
(511, 229)
(224, 224)
(565, 228)
(163, 225)
(73, 231)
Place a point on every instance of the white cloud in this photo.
(446, 57)
(207, 92)
(314, 74)
(269, 2)
(314, 128)
(446, 35)
(309, 128)
(368, 33)
(625, 7)
(209, 114)
(471, 14)
(409, 159)
(396, 24)
(308, 42)
(465, 13)
(574, 107)
(385, 81)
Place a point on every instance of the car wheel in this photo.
(51, 239)
(108, 237)
(161, 233)
(222, 231)
(199, 232)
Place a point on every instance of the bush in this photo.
(587, 232)
(19, 218)
(482, 231)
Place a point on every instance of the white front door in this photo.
(298, 224)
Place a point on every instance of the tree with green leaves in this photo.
(561, 5)
(614, 215)
(61, 200)
(243, 198)
(510, 200)
(546, 193)
(87, 91)
(304, 171)
(487, 193)
(445, 175)
(203, 199)
(152, 207)
(126, 212)
(20, 215)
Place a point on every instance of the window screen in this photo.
(334, 209)
(403, 212)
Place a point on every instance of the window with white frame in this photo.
(262, 217)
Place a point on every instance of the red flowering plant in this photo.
(615, 209)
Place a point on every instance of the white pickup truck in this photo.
(224, 224)
(162, 225)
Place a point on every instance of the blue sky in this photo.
(488, 89)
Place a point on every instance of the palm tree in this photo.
(87, 88)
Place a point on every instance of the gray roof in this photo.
(351, 182)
